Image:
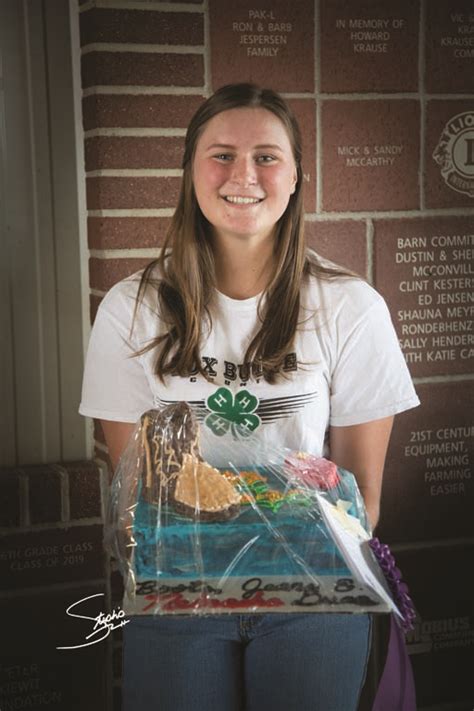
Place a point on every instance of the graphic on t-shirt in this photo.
(228, 410)
(267, 410)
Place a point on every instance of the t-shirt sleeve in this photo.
(370, 379)
(115, 386)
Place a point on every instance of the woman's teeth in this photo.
(241, 200)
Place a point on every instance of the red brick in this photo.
(94, 302)
(131, 193)
(412, 273)
(140, 110)
(428, 491)
(84, 490)
(341, 241)
(126, 232)
(62, 555)
(137, 27)
(449, 126)
(133, 152)
(10, 498)
(445, 70)
(345, 69)
(305, 113)
(104, 273)
(440, 647)
(36, 675)
(357, 125)
(141, 69)
(44, 484)
(291, 69)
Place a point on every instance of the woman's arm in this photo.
(361, 449)
(116, 436)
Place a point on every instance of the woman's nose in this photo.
(244, 171)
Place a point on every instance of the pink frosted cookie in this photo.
(312, 471)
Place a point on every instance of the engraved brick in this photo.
(10, 498)
(138, 27)
(272, 46)
(141, 69)
(423, 268)
(133, 152)
(449, 47)
(428, 471)
(370, 155)
(141, 110)
(305, 113)
(440, 647)
(131, 193)
(84, 489)
(126, 232)
(33, 673)
(53, 556)
(449, 154)
(369, 45)
(44, 484)
(104, 273)
(341, 241)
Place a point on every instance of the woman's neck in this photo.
(243, 269)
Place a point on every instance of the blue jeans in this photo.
(263, 662)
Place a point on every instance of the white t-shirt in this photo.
(346, 367)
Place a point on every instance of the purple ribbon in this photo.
(398, 588)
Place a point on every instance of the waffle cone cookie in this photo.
(174, 471)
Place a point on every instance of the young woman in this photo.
(237, 300)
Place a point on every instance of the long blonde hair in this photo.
(186, 282)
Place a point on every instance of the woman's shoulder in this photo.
(122, 297)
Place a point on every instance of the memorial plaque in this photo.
(341, 241)
(424, 269)
(36, 675)
(441, 645)
(369, 45)
(305, 113)
(428, 490)
(449, 153)
(449, 42)
(370, 155)
(59, 555)
(271, 44)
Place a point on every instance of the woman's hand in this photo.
(361, 449)
(116, 436)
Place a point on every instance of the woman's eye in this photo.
(265, 159)
(223, 156)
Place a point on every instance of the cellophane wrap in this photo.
(207, 520)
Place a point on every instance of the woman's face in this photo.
(244, 172)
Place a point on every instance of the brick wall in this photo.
(385, 97)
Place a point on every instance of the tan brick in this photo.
(136, 26)
(140, 110)
(104, 273)
(341, 241)
(370, 155)
(131, 193)
(390, 59)
(102, 152)
(141, 69)
(449, 136)
(126, 232)
(305, 113)
(449, 58)
(428, 469)
(284, 39)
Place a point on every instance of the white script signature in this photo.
(103, 623)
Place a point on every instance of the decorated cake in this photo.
(199, 539)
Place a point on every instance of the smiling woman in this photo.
(237, 306)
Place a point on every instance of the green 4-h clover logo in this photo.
(229, 411)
